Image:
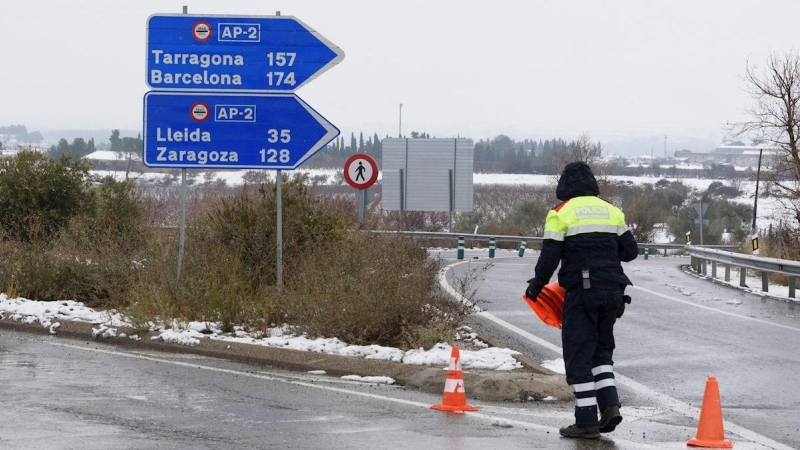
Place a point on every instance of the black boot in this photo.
(574, 431)
(609, 419)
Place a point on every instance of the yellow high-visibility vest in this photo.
(581, 215)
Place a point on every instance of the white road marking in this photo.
(727, 313)
(664, 400)
(277, 378)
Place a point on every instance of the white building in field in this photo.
(735, 153)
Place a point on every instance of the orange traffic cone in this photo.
(710, 432)
(549, 305)
(455, 397)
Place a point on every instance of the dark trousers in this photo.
(587, 336)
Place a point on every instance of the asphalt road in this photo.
(679, 330)
(60, 393)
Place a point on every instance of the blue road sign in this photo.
(276, 53)
(201, 130)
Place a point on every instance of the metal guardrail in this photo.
(505, 238)
(701, 256)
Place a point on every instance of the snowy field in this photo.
(770, 211)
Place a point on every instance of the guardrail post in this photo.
(704, 265)
(791, 286)
(491, 247)
(522, 246)
(646, 253)
(765, 281)
(742, 277)
(727, 272)
(713, 269)
(460, 247)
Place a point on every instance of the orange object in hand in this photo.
(549, 305)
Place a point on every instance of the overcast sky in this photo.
(469, 68)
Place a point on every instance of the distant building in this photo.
(735, 153)
(112, 160)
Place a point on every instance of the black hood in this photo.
(577, 180)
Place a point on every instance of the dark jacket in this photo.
(584, 232)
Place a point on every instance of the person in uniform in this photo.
(589, 238)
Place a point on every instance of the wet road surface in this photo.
(679, 330)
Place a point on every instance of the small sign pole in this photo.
(182, 233)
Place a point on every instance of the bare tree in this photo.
(775, 118)
(589, 152)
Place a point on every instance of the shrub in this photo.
(94, 258)
(248, 224)
(373, 290)
(38, 196)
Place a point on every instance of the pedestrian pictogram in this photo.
(360, 171)
(199, 112)
(201, 31)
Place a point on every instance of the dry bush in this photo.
(373, 290)
(92, 259)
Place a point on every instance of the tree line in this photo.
(79, 147)
(22, 134)
(499, 154)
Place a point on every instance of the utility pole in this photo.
(665, 146)
(755, 203)
(400, 125)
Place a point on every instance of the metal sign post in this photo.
(182, 232)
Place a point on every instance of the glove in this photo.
(533, 290)
(621, 310)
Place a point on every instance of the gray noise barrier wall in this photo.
(437, 174)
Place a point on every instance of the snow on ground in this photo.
(49, 313)
(770, 210)
(753, 284)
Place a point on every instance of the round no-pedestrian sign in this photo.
(360, 171)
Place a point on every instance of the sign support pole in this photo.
(182, 236)
(279, 222)
(452, 201)
(701, 221)
(182, 233)
(402, 220)
(361, 196)
(279, 230)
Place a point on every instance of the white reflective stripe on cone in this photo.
(452, 385)
(591, 401)
(455, 364)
